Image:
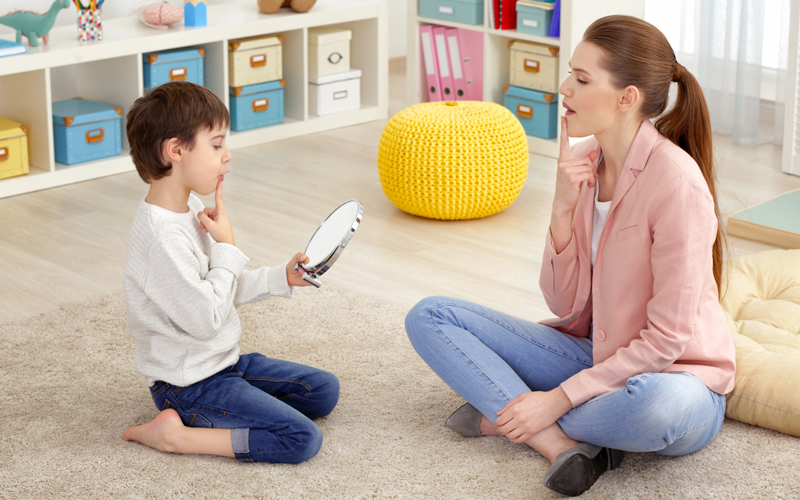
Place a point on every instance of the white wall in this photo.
(119, 8)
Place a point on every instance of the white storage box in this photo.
(334, 93)
(328, 50)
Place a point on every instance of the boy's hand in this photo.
(215, 220)
(295, 277)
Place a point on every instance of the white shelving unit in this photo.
(576, 16)
(110, 71)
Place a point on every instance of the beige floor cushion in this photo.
(763, 307)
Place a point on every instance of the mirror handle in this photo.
(311, 279)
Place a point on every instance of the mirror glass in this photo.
(330, 239)
(331, 232)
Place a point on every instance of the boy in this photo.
(183, 280)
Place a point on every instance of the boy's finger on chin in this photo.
(218, 193)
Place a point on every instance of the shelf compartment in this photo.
(215, 67)
(26, 101)
(365, 55)
(115, 82)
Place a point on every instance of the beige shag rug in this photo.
(69, 389)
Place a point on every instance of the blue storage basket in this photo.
(457, 11)
(177, 64)
(533, 20)
(258, 105)
(537, 111)
(85, 130)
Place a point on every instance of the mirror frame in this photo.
(313, 272)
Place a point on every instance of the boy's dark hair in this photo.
(175, 109)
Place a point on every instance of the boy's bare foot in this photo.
(161, 433)
(167, 433)
(488, 428)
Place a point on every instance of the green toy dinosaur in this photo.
(32, 25)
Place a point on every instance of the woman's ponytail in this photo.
(688, 125)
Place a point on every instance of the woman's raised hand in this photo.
(572, 172)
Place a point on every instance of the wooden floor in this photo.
(66, 245)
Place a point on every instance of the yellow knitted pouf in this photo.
(453, 160)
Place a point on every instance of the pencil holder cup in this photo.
(90, 24)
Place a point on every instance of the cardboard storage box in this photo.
(13, 148)
(534, 66)
(258, 105)
(459, 11)
(85, 130)
(537, 111)
(334, 93)
(257, 59)
(173, 65)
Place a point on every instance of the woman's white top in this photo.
(601, 209)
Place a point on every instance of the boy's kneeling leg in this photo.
(299, 442)
(311, 391)
(323, 399)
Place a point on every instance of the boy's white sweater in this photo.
(181, 291)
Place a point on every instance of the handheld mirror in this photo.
(330, 238)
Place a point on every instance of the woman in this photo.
(640, 356)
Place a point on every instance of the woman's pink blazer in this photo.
(652, 297)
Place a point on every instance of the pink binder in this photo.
(430, 64)
(445, 75)
(471, 45)
(456, 65)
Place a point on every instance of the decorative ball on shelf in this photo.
(159, 14)
(273, 6)
(453, 160)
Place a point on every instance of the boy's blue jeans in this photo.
(268, 404)
(490, 358)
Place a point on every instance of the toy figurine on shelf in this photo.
(272, 6)
(194, 12)
(33, 25)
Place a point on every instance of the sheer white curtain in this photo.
(738, 50)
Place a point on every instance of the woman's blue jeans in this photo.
(268, 404)
(490, 358)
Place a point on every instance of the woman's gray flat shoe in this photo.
(465, 421)
(578, 468)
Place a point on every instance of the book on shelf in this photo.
(456, 64)
(508, 14)
(443, 58)
(430, 63)
(452, 62)
(541, 5)
(470, 44)
(8, 48)
(555, 22)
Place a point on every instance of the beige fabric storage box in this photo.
(534, 66)
(334, 93)
(328, 50)
(254, 60)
